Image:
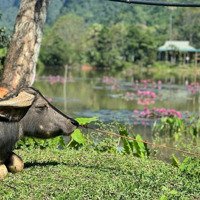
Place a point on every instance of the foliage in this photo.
(158, 113)
(136, 147)
(172, 126)
(85, 121)
(109, 144)
(105, 145)
(187, 21)
(108, 13)
(107, 35)
(77, 137)
(141, 45)
(105, 12)
(63, 42)
(189, 166)
(40, 68)
(3, 44)
(193, 127)
(2, 56)
(3, 38)
(9, 9)
(115, 46)
(107, 45)
(54, 10)
(33, 143)
(71, 174)
(175, 126)
(71, 41)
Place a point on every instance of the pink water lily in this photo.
(145, 102)
(157, 113)
(147, 93)
(193, 87)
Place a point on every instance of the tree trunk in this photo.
(20, 64)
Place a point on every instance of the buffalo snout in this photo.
(74, 122)
(44, 120)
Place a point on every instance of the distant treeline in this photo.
(107, 34)
(71, 41)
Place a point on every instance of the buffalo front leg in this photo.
(3, 171)
(14, 163)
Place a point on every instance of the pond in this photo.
(130, 101)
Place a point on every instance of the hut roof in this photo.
(182, 46)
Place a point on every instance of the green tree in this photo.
(64, 42)
(141, 45)
(4, 38)
(116, 46)
(54, 10)
(107, 44)
(187, 25)
(9, 9)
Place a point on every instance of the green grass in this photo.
(163, 71)
(71, 174)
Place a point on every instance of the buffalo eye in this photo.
(40, 108)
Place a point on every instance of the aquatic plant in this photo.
(145, 102)
(147, 94)
(129, 96)
(157, 113)
(147, 84)
(137, 147)
(144, 92)
(193, 88)
(109, 80)
(171, 126)
(57, 79)
(145, 98)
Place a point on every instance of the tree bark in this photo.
(20, 64)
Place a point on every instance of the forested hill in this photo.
(108, 34)
(105, 12)
(92, 11)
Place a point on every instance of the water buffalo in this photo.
(28, 113)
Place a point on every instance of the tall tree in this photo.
(20, 64)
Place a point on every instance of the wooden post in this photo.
(166, 56)
(196, 58)
(184, 59)
(65, 87)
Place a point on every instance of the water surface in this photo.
(109, 98)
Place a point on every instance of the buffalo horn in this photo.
(23, 99)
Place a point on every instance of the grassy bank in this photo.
(165, 71)
(70, 174)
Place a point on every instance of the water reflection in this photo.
(93, 97)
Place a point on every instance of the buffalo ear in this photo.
(12, 114)
(14, 108)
